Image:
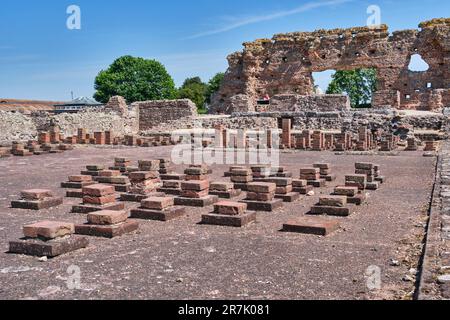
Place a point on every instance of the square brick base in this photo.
(329, 178)
(164, 215)
(229, 221)
(200, 203)
(330, 211)
(122, 187)
(87, 208)
(173, 192)
(75, 193)
(107, 231)
(314, 226)
(53, 248)
(290, 197)
(241, 186)
(357, 200)
(268, 206)
(317, 183)
(380, 179)
(76, 185)
(304, 190)
(130, 197)
(226, 194)
(37, 205)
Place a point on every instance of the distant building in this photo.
(77, 105)
(27, 106)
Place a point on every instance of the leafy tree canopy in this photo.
(214, 85)
(195, 90)
(136, 79)
(359, 84)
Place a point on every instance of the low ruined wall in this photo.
(352, 120)
(299, 103)
(154, 113)
(211, 122)
(17, 126)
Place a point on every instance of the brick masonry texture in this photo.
(284, 65)
(153, 113)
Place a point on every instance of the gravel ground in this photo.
(184, 260)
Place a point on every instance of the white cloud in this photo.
(237, 23)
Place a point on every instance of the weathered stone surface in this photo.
(315, 226)
(284, 65)
(221, 186)
(157, 203)
(107, 217)
(109, 173)
(267, 206)
(261, 187)
(358, 180)
(48, 229)
(98, 190)
(195, 185)
(37, 204)
(230, 208)
(296, 183)
(331, 211)
(36, 194)
(333, 201)
(279, 182)
(110, 198)
(155, 113)
(256, 196)
(229, 221)
(51, 249)
(288, 197)
(194, 194)
(87, 208)
(193, 202)
(158, 215)
(241, 172)
(346, 191)
(226, 194)
(107, 231)
(80, 178)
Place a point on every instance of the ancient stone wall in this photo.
(211, 122)
(298, 103)
(285, 63)
(17, 126)
(155, 113)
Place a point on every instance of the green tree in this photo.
(359, 84)
(136, 79)
(214, 85)
(195, 90)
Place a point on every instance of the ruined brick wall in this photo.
(18, 126)
(155, 113)
(285, 63)
(298, 103)
(211, 122)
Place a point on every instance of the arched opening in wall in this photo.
(358, 84)
(417, 64)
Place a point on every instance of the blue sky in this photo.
(41, 59)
